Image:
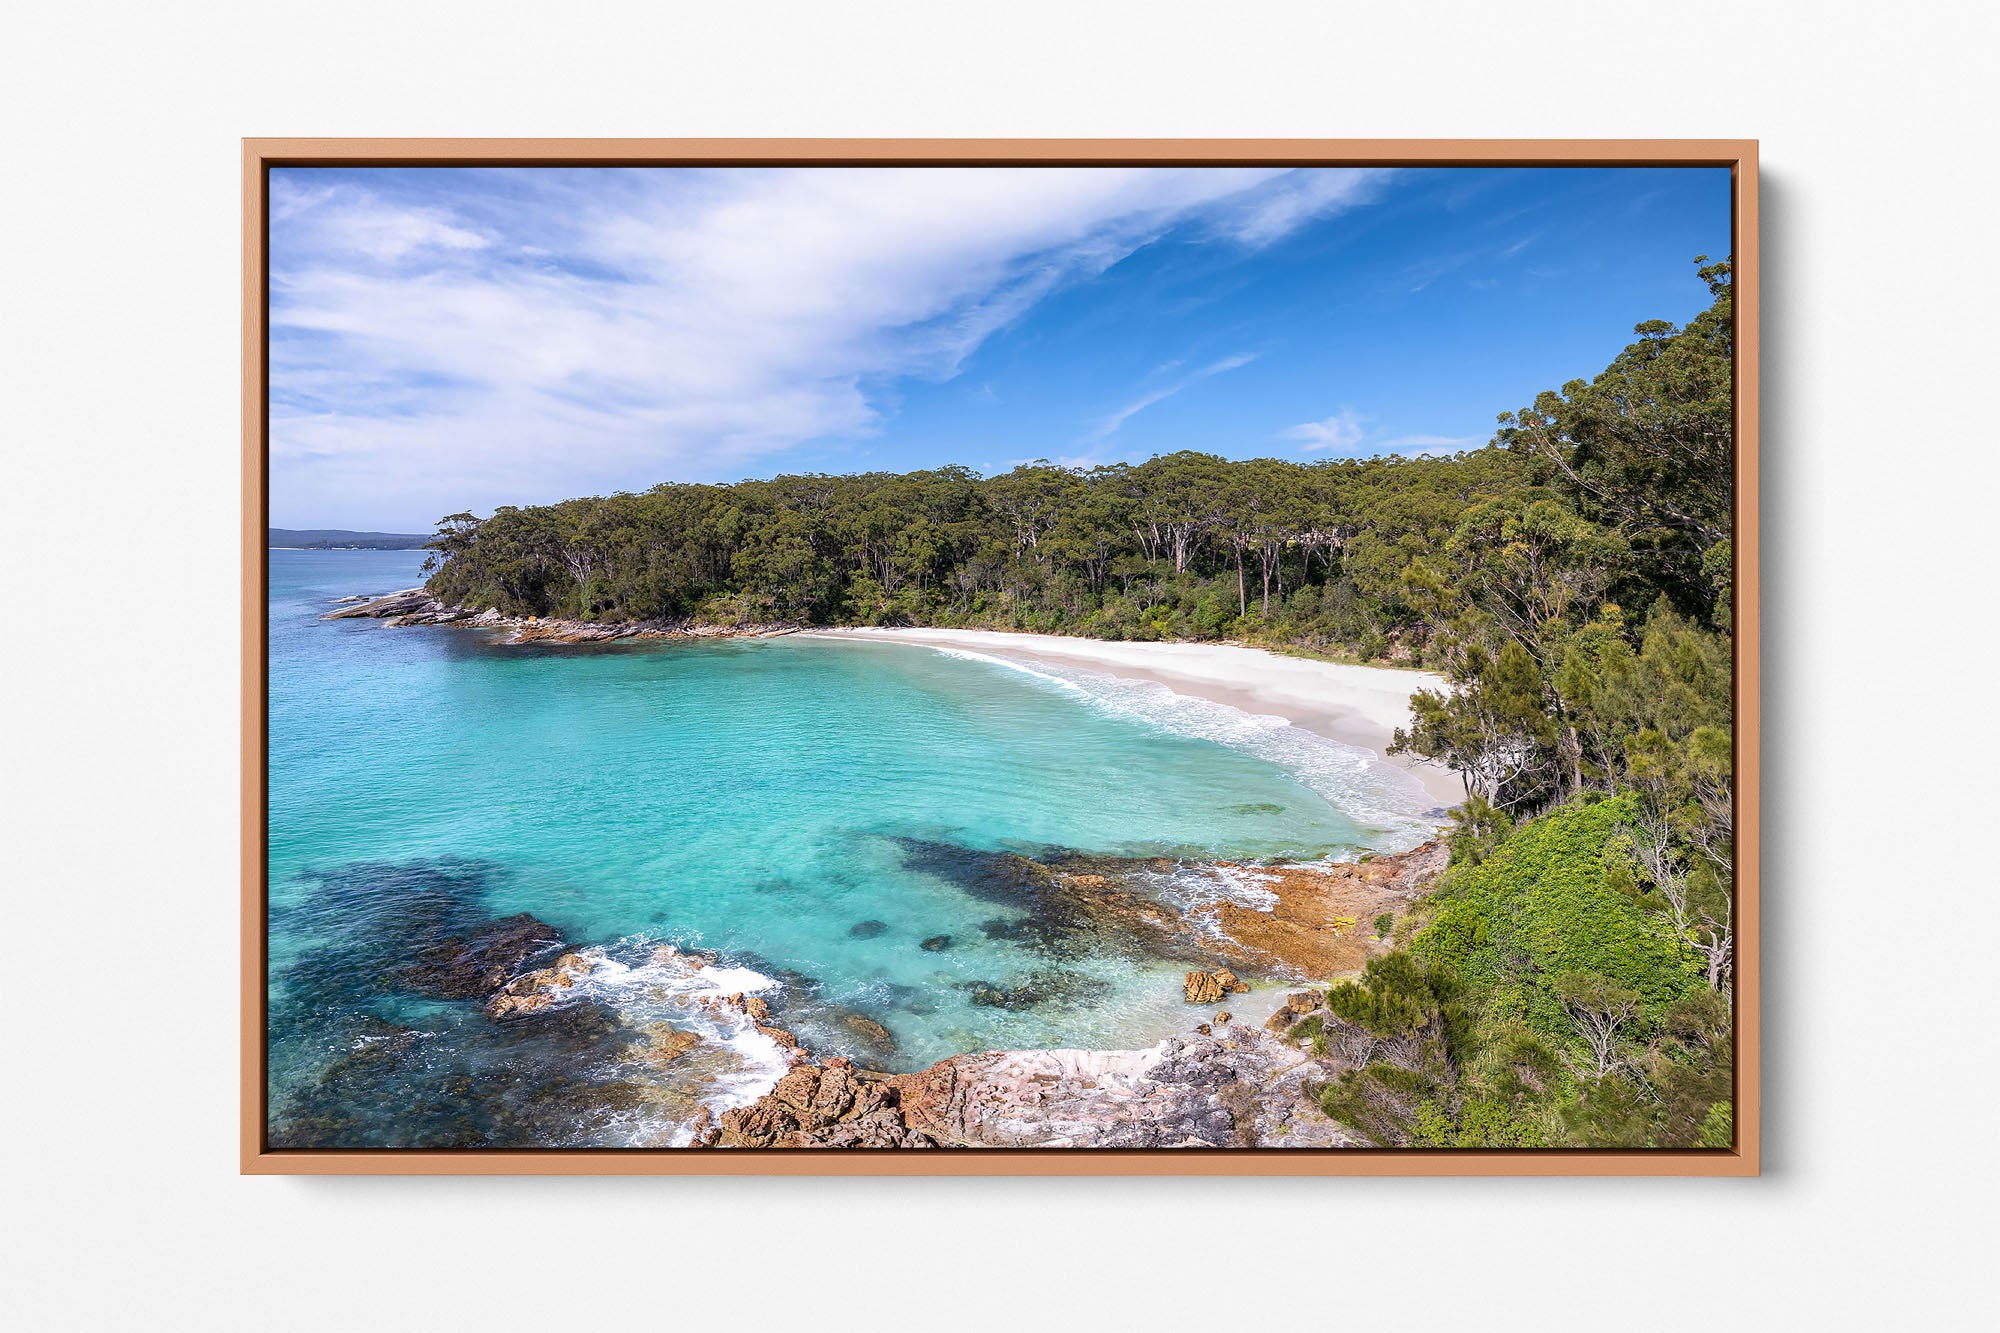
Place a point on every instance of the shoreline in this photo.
(1355, 705)
(1359, 706)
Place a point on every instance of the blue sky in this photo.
(457, 339)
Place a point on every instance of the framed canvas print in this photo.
(988, 657)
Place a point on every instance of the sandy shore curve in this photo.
(1355, 705)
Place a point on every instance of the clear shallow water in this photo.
(760, 798)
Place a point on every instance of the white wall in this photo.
(118, 514)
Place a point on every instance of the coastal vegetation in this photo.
(1569, 981)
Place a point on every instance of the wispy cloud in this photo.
(443, 340)
(346, 220)
(1110, 425)
(1346, 432)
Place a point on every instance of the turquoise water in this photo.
(811, 809)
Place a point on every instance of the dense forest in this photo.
(1569, 983)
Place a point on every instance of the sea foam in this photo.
(645, 983)
(1351, 779)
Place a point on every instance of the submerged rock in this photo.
(1046, 987)
(936, 944)
(476, 964)
(869, 1030)
(664, 1044)
(867, 930)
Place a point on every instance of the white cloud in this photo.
(1346, 433)
(1297, 198)
(527, 335)
(1341, 431)
(344, 219)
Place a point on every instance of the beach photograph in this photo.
(1235, 659)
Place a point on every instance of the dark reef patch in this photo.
(377, 1034)
(479, 962)
(1061, 904)
(1047, 987)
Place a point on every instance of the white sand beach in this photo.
(1356, 705)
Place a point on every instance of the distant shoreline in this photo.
(1355, 705)
(342, 539)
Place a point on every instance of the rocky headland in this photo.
(416, 606)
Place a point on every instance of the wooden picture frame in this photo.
(261, 155)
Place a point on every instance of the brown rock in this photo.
(504, 1005)
(532, 992)
(1202, 988)
(705, 1130)
(1231, 983)
(765, 1123)
(757, 1009)
(796, 1089)
(834, 1096)
(1313, 926)
(1222, 1019)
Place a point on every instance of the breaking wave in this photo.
(1351, 779)
(650, 985)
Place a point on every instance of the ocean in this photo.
(832, 818)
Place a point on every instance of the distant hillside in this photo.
(339, 539)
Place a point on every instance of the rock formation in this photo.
(1206, 988)
(1314, 926)
(1298, 1006)
(1244, 1089)
(532, 992)
(416, 606)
